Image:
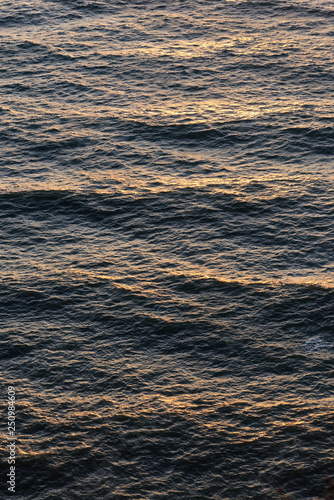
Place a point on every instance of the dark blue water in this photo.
(167, 276)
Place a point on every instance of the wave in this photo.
(32, 12)
(321, 8)
(270, 133)
(43, 12)
(202, 203)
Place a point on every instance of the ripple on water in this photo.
(166, 202)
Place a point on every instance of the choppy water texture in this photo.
(167, 207)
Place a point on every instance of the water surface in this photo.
(166, 201)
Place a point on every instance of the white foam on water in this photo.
(317, 343)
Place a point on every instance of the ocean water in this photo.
(167, 276)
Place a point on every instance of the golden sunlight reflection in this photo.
(194, 272)
(202, 110)
(179, 49)
(166, 198)
(196, 403)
